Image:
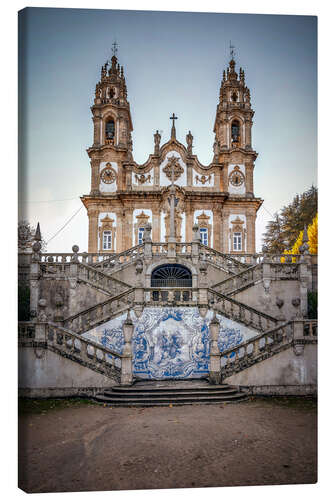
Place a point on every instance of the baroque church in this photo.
(171, 286)
(125, 195)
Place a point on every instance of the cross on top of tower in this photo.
(173, 128)
(114, 48)
(173, 118)
(232, 51)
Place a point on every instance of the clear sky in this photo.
(173, 62)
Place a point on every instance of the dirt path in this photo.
(84, 447)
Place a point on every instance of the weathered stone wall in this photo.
(52, 375)
(75, 297)
(267, 302)
(282, 374)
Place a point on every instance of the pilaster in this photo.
(93, 230)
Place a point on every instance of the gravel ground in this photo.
(78, 446)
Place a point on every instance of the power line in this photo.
(49, 201)
(263, 206)
(63, 227)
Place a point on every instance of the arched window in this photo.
(109, 130)
(171, 275)
(237, 243)
(235, 131)
(204, 235)
(234, 97)
(141, 231)
(107, 240)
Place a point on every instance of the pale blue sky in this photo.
(173, 62)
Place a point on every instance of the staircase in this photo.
(166, 393)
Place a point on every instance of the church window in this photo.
(141, 231)
(109, 129)
(234, 97)
(235, 131)
(237, 241)
(204, 235)
(107, 240)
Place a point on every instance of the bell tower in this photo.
(233, 151)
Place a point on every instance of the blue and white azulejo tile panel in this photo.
(170, 342)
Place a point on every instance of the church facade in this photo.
(126, 196)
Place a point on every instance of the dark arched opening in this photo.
(235, 131)
(171, 275)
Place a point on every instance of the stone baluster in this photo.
(126, 361)
(214, 353)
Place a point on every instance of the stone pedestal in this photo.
(214, 353)
(126, 361)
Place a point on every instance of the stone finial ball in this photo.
(36, 246)
(42, 303)
(75, 248)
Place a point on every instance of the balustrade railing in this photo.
(171, 296)
(240, 312)
(89, 318)
(224, 261)
(244, 278)
(100, 279)
(121, 258)
(264, 345)
(159, 248)
(85, 351)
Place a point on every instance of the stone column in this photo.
(214, 353)
(128, 229)
(156, 229)
(126, 360)
(224, 176)
(93, 230)
(188, 224)
(97, 132)
(217, 228)
(248, 139)
(147, 242)
(225, 232)
(249, 178)
(94, 176)
(34, 279)
(250, 234)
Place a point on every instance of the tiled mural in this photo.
(170, 342)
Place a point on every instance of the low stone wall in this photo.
(283, 374)
(42, 373)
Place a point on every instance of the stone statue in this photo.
(189, 140)
(157, 140)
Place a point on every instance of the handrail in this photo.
(84, 340)
(103, 274)
(245, 306)
(236, 276)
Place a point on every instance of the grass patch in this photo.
(29, 406)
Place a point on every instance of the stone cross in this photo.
(173, 129)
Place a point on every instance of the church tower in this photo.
(233, 148)
(112, 145)
(172, 190)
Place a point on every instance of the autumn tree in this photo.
(284, 230)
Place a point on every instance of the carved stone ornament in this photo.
(173, 165)
(202, 179)
(108, 174)
(236, 177)
(142, 178)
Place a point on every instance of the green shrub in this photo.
(312, 305)
(23, 303)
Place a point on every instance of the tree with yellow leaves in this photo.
(313, 239)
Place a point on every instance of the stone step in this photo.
(171, 392)
(152, 401)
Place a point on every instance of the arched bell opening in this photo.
(171, 275)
